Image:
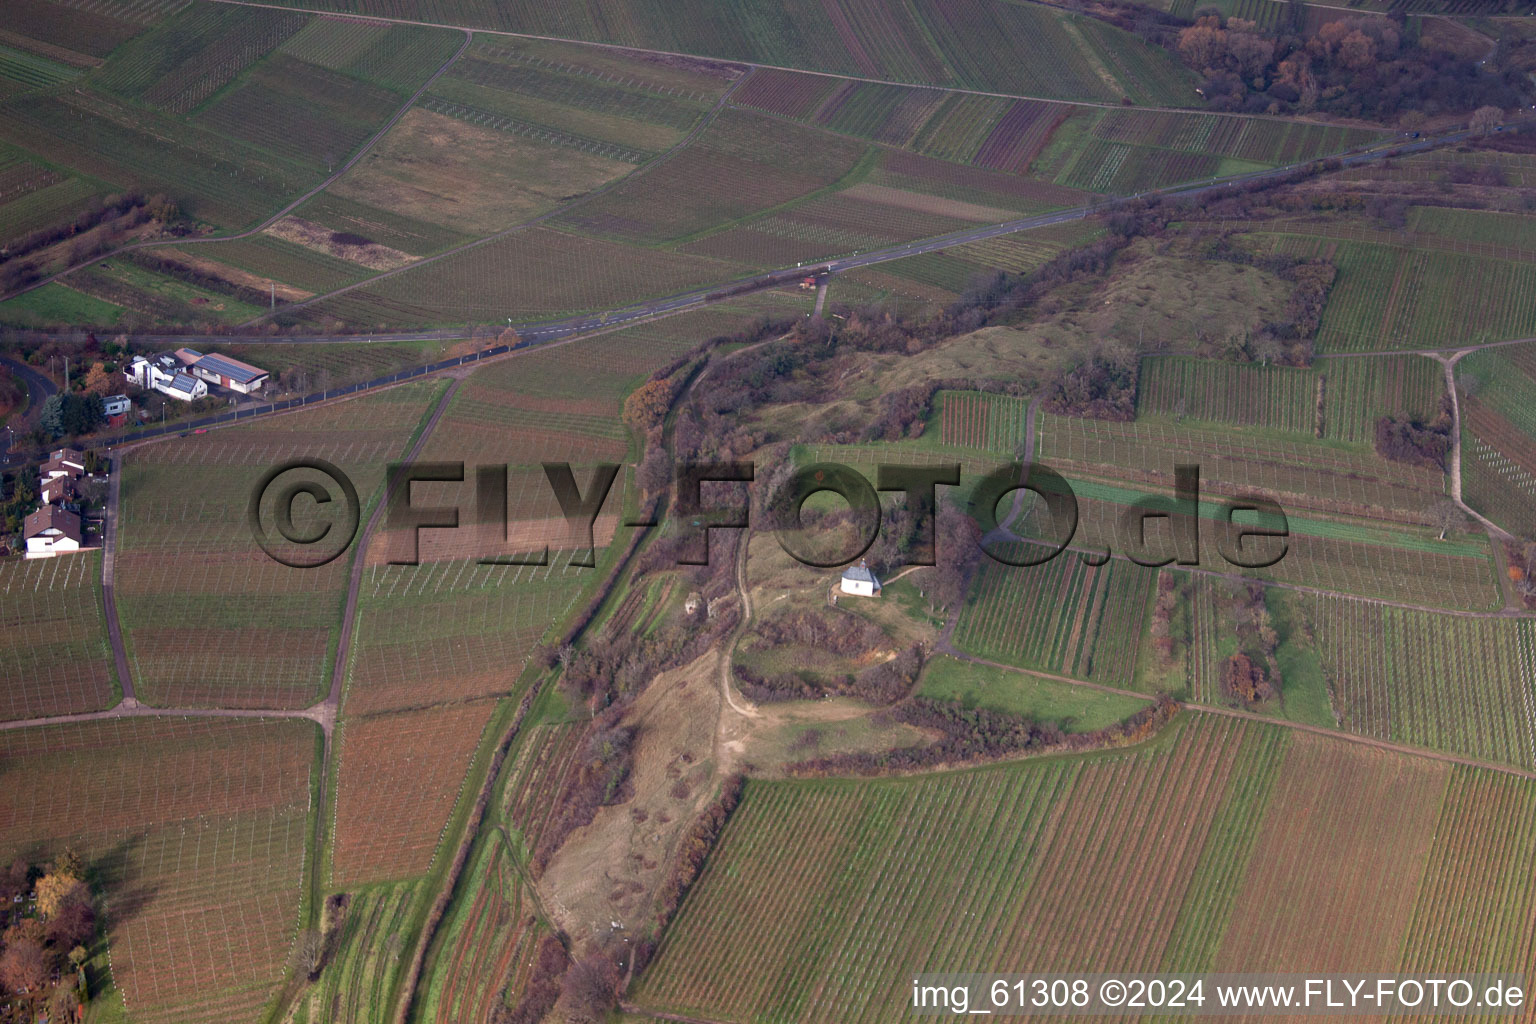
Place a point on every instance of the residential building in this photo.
(50, 531)
(65, 462)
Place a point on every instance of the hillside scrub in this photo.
(979, 735)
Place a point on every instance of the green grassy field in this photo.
(1073, 708)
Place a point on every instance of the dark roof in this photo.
(51, 517)
(860, 574)
(183, 382)
(234, 369)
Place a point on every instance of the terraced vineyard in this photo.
(487, 955)
(1063, 617)
(355, 987)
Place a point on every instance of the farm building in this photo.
(52, 531)
(224, 371)
(860, 580)
(64, 462)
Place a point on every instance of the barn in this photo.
(228, 372)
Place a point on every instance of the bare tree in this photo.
(1447, 516)
(1267, 349)
(1486, 119)
(307, 952)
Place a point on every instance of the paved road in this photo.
(38, 386)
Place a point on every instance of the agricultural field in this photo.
(1390, 298)
(1072, 708)
(370, 954)
(454, 629)
(946, 274)
(54, 659)
(188, 565)
(1498, 470)
(1271, 398)
(469, 177)
(1063, 617)
(195, 52)
(214, 178)
(743, 163)
(196, 831)
(527, 275)
(1367, 558)
(1336, 400)
(1295, 471)
(976, 44)
(308, 114)
(1464, 685)
(151, 296)
(1291, 858)
(75, 34)
(399, 778)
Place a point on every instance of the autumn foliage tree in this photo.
(647, 405)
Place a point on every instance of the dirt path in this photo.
(108, 567)
(1496, 533)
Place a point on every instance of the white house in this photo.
(860, 580)
(116, 405)
(153, 371)
(52, 531)
(185, 387)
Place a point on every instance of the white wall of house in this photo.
(46, 546)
